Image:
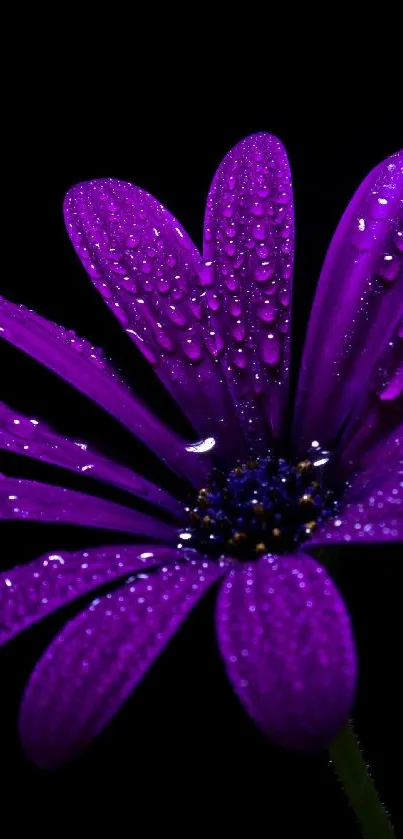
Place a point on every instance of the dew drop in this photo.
(389, 267)
(259, 232)
(238, 331)
(164, 340)
(163, 284)
(263, 250)
(398, 240)
(235, 308)
(177, 317)
(214, 343)
(231, 282)
(118, 268)
(240, 359)
(132, 241)
(270, 349)
(257, 209)
(192, 349)
(213, 301)
(267, 312)
(230, 248)
(263, 273)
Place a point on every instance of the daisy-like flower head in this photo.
(217, 332)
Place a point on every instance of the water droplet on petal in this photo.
(389, 267)
(270, 349)
(267, 312)
(240, 359)
(238, 331)
(259, 232)
(132, 241)
(263, 251)
(398, 240)
(164, 340)
(177, 317)
(230, 248)
(235, 308)
(263, 273)
(231, 282)
(163, 284)
(192, 348)
(257, 209)
(214, 343)
(213, 301)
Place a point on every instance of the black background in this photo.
(182, 751)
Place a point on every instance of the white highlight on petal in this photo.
(202, 446)
(321, 461)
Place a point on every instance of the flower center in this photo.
(263, 506)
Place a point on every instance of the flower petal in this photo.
(83, 366)
(357, 307)
(99, 658)
(373, 505)
(34, 501)
(248, 252)
(379, 411)
(30, 592)
(28, 436)
(287, 643)
(145, 266)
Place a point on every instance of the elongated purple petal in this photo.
(33, 438)
(357, 307)
(146, 268)
(248, 252)
(30, 592)
(373, 506)
(99, 658)
(84, 366)
(287, 643)
(380, 409)
(34, 501)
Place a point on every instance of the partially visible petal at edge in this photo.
(378, 413)
(147, 269)
(357, 306)
(33, 438)
(30, 592)
(288, 648)
(34, 501)
(249, 251)
(83, 366)
(99, 658)
(372, 506)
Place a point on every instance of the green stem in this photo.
(359, 787)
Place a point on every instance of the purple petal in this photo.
(30, 592)
(357, 307)
(248, 252)
(99, 658)
(373, 505)
(287, 643)
(33, 501)
(84, 366)
(146, 268)
(380, 409)
(33, 438)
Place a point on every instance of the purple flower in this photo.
(217, 333)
